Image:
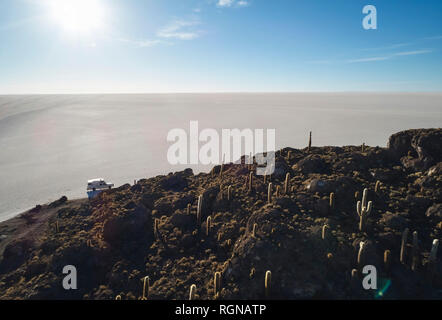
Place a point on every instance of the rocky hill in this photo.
(305, 230)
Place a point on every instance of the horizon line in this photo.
(223, 92)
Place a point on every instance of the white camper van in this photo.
(98, 184)
(95, 186)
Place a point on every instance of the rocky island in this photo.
(304, 232)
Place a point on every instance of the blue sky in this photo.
(218, 46)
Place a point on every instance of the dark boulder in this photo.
(132, 226)
(421, 148)
(312, 164)
(16, 253)
(175, 182)
(183, 221)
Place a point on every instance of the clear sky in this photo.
(83, 46)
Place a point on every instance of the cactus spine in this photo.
(146, 287)
(268, 283)
(269, 193)
(404, 245)
(286, 183)
(192, 292)
(363, 210)
(217, 284)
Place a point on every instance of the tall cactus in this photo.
(332, 200)
(364, 209)
(199, 210)
(269, 193)
(404, 245)
(310, 142)
(415, 252)
(250, 182)
(278, 191)
(146, 287)
(229, 193)
(325, 229)
(208, 225)
(155, 229)
(268, 283)
(217, 283)
(432, 263)
(387, 260)
(287, 183)
(433, 253)
(192, 292)
(255, 226)
(362, 246)
(377, 186)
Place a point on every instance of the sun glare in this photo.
(78, 17)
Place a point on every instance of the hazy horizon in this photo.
(52, 144)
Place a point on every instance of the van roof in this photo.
(95, 180)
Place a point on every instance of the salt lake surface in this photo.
(50, 145)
